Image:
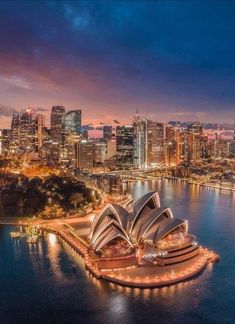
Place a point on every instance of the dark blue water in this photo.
(48, 283)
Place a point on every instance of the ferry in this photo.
(33, 231)
(15, 234)
(32, 239)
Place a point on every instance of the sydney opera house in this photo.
(145, 246)
(149, 229)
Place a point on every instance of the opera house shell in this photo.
(146, 237)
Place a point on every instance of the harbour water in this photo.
(47, 282)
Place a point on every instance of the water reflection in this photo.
(118, 307)
(51, 281)
(53, 253)
(200, 205)
(173, 291)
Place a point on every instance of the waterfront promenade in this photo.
(203, 184)
(209, 224)
(70, 231)
(67, 231)
(140, 276)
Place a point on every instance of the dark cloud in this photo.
(41, 109)
(87, 127)
(6, 111)
(161, 55)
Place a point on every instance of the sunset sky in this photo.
(173, 60)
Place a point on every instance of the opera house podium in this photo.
(144, 247)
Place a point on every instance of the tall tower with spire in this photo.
(140, 140)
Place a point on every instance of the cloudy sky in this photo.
(172, 60)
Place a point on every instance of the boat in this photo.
(32, 239)
(15, 234)
(33, 231)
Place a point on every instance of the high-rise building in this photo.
(196, 146)
(232, 148)
(182, 135)
(14, 145)
(71, 132)
(85, 135)
(110, 149)
(124, 147)
(85, 156)
(171, 146)
(196, 142)
(232, 144)
(99, 152)
(39, 126)
(107, 132)
(221, 146)
(5, 137)
(28, 131)
(46, 146)
(1, 142)
(140, 141)
(57, 114)
(72, 122)
(195, 127)
(68, 149)
(155, 147)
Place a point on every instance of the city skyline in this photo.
(117, 161)
(144, 144)
(96, 56)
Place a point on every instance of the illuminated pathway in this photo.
(142, 276)
(132, 270)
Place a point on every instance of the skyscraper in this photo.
(195, 127)
(182, 135)
(171, 146)
(46, 145)
(57, 114)
(28, 131)
(5, 136)
(85, 156)
(72, 122)
(140, 141)
(110, 149)
(107, 132)
(99, 152)
(222, 146)
(71, 132)
(196, 142)
(125, 147)
(15, 134)
(232, 143)
(155, 148)
(39, 125)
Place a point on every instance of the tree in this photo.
(76, 198)
(54, 211)
(1, 205)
